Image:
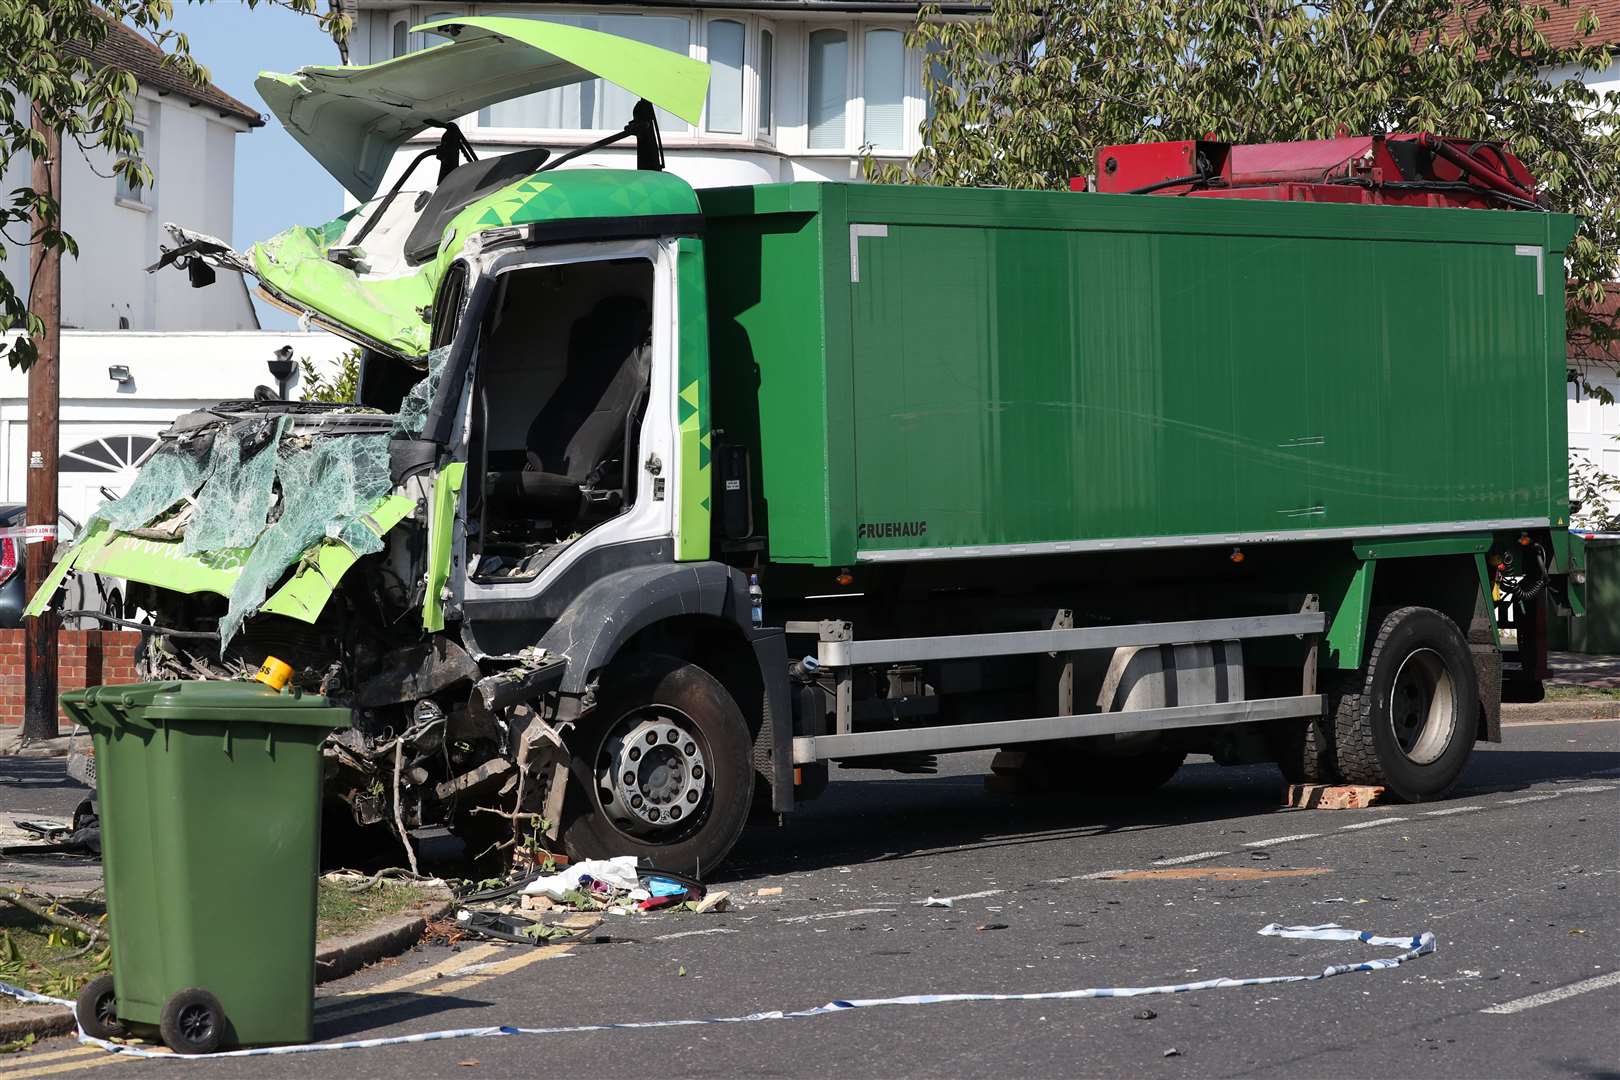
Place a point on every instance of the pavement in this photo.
(1515, 874)
(1579, 669)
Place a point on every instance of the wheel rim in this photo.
(107, 1010)
(652, 774)
(1422, 706)
(196, 1023)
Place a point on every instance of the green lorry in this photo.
(657, 502)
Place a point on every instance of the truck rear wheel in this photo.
(1304, 748)
(1411, 727)
(661, 768)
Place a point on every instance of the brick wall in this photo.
(85, 658)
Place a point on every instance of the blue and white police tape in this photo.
(1413, 947)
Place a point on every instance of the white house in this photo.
(188, 135)
(798, 87)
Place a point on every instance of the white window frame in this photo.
(752, 89)
(750, 58)
(422, 13)
(851, 67)
(855, 110)
(396, 21)
(138, 198)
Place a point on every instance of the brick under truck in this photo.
(656, 503)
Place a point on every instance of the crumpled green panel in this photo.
(235, 501)
(385, 310)
(326, 487)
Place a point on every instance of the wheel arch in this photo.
(700, 613)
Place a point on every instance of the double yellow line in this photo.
(460, 972)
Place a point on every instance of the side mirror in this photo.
(200, 273)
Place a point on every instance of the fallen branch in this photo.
(42, 906)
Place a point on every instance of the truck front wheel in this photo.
(1411, 727)
(661, 768)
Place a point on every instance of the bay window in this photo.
(725, 111)
(595, 105)
(765, 64)
(883, 89)
(829, 89)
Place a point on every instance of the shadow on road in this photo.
(385, 1010)
(867, 816)
(36, 773)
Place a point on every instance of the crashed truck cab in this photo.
(517, 501)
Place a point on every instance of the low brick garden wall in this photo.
(85, 658)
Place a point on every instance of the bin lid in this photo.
(218, 700)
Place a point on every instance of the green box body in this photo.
(210, 799)
(933, 372)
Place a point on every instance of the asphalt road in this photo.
(1516, 875)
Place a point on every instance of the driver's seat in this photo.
(580, 429)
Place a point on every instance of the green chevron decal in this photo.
(692, 408)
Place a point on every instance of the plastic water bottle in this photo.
(756, 600)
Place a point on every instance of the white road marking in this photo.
(1452, 810)
(1371, 824)
(1527, 798)
(1588, 787)
(967, 896)
(1547, 997)
(1199, 857)
(1283, 839)
(820, 915)
(693, 933)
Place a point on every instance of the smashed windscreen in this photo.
(261, 496)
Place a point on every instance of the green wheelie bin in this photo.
(210, 799)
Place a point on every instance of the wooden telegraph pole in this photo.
(44, 401)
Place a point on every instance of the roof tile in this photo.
(126, 48)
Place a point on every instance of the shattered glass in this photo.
(327, 485)
(172, 473)
(252, 484)
(235, 500)
(419, 399)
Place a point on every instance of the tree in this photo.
(1026, 95)
(91, 105)
(341, 386)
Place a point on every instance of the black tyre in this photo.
(1304, 748)
(1411, 727)
(661, 768)
(192, 1022)
(97, 1009)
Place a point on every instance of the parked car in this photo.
(82, 592)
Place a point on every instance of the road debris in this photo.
(1147, 1014)
(1331, 796)
(773, 890)
(939, 901)
(512, 911)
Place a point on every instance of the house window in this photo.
(829, 88)
(726, 77)
(767, 118)
(401, 42)
(595, 105)
(128, 191)
(883, 87)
